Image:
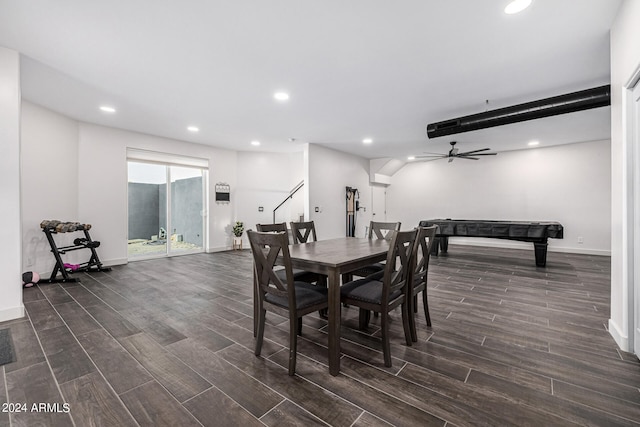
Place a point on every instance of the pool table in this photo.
(524, 231)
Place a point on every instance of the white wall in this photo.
(625, 59)
(569, 184)
(328, 173)
(49, 145)
(102, 185)
(78, 172)
(265, 179)
(11, 285)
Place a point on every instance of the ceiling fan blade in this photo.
(434, 154)
(476, 151)
(467, 157)
(431, 156)
(484, 154)
(426, 159)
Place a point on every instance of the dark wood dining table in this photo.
(334, 258)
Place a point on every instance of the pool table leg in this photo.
(540, 249)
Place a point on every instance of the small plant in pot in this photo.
(238, 229)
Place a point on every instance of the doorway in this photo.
(378, 203)
(166, 209)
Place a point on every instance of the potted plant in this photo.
(237, 230)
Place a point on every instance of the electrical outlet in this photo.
(29, 262)
(580, 239)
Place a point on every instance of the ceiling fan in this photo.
(453, 153)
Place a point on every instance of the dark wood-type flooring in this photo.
(170, 342)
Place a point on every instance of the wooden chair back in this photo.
(302, 231)
(273, 228)
(422, 253)
(266, 248)
(399, 266)
(382, 230)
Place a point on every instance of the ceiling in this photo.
(354, 69)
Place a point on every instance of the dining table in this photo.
(336, 258)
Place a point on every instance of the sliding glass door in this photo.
(165, 219)
(186, 211)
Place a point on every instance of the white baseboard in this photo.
(116, 261)
(219, 249)
(621, 339)
(581, 251)
(11, 313)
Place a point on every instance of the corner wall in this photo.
(49, 144)
(328, 173)
(569, 184)
(264, 180)
(625, 59)
(102, 185)
(10, 209)
(78, 172)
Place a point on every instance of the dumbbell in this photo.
(66, 227)
(49, 223)
(80, 241)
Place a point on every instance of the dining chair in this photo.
(377, 230)
(420, 261)
(288, 298)
(382, 296)
(301, 275)
(302, 231)
(273, 228)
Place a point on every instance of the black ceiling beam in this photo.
(562, 104)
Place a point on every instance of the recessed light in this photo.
(255, 143)
(411, 158)
(107, 109)
(193, 129)
(533, 143)
(281, 96)
(367, 141)
(516, 6)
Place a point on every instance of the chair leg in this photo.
(260, 332)
(415, 303)
(299, 326)
(256, 309)
(426, 307)
(364, 317)
(386, 347)
(294, 323)
(412, 318)
(407, 313)
(322, 281)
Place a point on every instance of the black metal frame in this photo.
(93, 265)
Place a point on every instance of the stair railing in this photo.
(293, 191)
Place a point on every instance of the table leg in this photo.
(444, 244)
(334, 322)
(541, 253)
